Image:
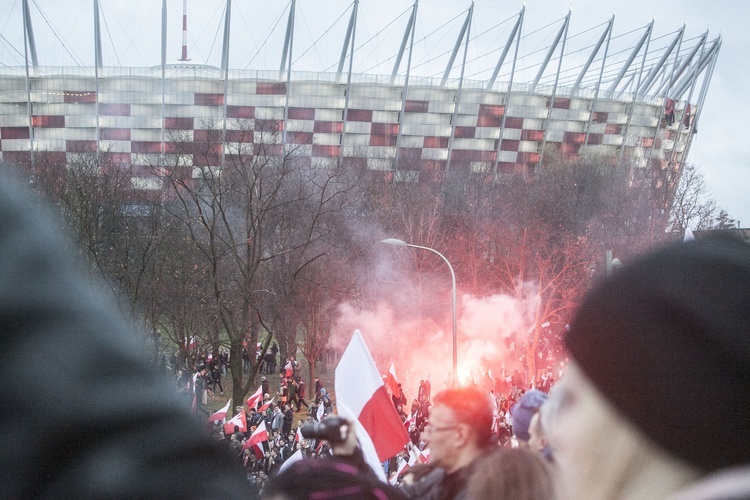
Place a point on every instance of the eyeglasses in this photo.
(429, 428)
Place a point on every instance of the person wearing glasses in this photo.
(457, 434)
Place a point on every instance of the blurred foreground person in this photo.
(523, 413)
(656, 403)
(458, 434)
(508, 473)
(344, 476)
(84, 414)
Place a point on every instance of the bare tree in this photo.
(90, 195)
(692, 205)
(318, 291)
(254, 221)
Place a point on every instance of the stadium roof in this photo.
(519, 46)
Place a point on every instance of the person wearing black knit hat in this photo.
(656, 401)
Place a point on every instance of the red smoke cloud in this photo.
(490, 333)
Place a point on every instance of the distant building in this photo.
(411, 130)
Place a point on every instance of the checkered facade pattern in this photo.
(139, 115)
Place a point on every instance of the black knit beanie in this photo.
(667, 341)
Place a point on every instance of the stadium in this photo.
(634, 96)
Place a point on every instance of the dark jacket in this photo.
(437, 485)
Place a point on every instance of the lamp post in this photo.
(400, 243)
(611, 263)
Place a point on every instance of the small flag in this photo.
(401, 468)
(265, 405)
(391, 382)
(239, 420)
(256, 439)
(220, 415)
(321, 411)
(409, 420)
(296, 457)
(252, 401)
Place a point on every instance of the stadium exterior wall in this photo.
(136, 113)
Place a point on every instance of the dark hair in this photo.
(515, 473)
(472, 407)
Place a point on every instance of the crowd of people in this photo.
(654, 404)
(646, 345)
(417, 460)
(277, 414)
(469, 442)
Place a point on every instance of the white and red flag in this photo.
(296, 457)
(409, 421)
(257, 396)
(298, 437)
(391, 382)
(220, 415)
(321, 411)
(240, 420)
(402, 466)
(265, 405)
(255, 441)
(419, 456)
(361, 397)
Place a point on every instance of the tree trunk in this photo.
(311, 385)
(235, 366)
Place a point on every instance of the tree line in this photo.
(238, 243)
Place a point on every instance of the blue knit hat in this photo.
(522, 412)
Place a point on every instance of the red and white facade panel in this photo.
(137, 115)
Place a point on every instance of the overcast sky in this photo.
(131, 37)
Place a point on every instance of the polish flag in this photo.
(391, 382)
(256, 439)
(219, 415)
(409, 420)
(401, 468)
(296, 457)
(240, 420)
(257, 396)
(265, 406)
(321, 411)
(298, 437)
(424, 456)
(361, 397)
(413, 455)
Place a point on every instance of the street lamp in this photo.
(611, 263)
(400, 243)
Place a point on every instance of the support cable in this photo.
(57, 35)
(263, 44)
